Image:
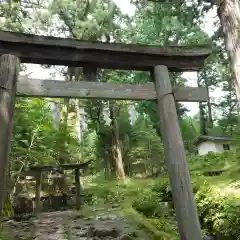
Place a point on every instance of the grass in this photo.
(123, 194)
(138, 200)
(219, 195)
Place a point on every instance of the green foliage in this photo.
(32, 131)
(136, 200)
(145, 147)
(149, 204)
(162, 188)
(37, 142)
(4, 235)
(160, 228)
(88, 19)
(8, 209)
(217, 197)
(142, 150)
(218, 206)
(157, 24)
(190, 131)
(212, 161)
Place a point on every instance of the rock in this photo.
(133, 234)
(116, 205)
(106, 217)
(103, 232)
(91, 231)
(82, 234)
(22, 204)
(79, 216)
(78, 227)
(126, 237)
(4, 219)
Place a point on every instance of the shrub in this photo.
(148, 204)
(220, 212)
(217, 198)
(212, 161)
(152, 200)
(163, 190)
(7, 209)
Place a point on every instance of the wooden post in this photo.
(187, 218)
(9, 69)
(38, 191)
(78, 188)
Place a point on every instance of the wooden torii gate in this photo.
(37, 171)
(16, 47)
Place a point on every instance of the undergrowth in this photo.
(213, 161)
(143, 201)
(137, 200)
(148, 202)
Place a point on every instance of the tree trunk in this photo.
(77, 73)
(203, 130)
(209, 107)
(231, 107)
(63, 153)
(116, 146)
(106, 169)
(78, 126)
(55, 112)
(9, 69)
(229, 14)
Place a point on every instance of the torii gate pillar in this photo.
(9, 69)
(187, 218)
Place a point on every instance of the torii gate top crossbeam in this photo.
(60, 51)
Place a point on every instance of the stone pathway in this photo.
(70, 225)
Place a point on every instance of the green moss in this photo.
(161, 229)
(217, 197)
(139, 201)
(4, 235)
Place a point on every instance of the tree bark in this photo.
(78, 125)
(203, 130)
(63, 154)
(182, 191)
(38, 192)
(9, 69)
(209, 107)
(229, 15)
(78, 189)
(116, 146)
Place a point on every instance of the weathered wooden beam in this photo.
(38, 192)
(70, 52)
(98, 90)
(60, 176)
(9, 69)
(187, 218)
(42, 168)
(78, 189)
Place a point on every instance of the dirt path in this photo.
(71, 225)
